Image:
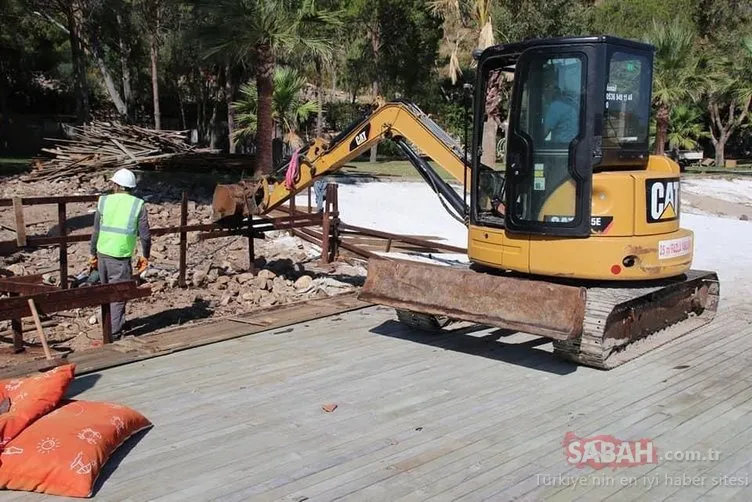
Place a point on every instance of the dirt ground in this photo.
(219, 282)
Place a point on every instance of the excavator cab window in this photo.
(548, 161)
(578, 105)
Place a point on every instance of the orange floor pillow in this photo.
(63, 452)
(31, 398)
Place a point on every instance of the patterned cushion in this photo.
(63, 452)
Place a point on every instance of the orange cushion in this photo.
(31, 398)
(63, 452)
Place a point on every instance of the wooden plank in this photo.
(24, 287)
(179, 339)
(479, 417)
(35, 201)
(255, 404)
(480, 435)
(183, 240)
(63, 250)
(53, 301)
(20, 225)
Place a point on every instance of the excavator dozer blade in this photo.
(597, 326)
(536, 307)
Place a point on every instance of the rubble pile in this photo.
(220, 280)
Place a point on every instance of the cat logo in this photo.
(360, 138)
(662, 196)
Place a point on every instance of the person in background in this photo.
(319, 190)
(120, 220)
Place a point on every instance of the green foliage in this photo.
(347, 49)
(629, 18)
(290, 111)
(675, 76)
(686, 127)
(522, 19)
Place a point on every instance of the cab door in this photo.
(550, 144)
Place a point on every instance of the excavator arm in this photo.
(400, 121)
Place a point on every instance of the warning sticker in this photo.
(673, 248)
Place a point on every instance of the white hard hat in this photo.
(124, 178)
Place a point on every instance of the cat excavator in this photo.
(575, 235)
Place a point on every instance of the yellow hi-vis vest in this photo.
(118, 224)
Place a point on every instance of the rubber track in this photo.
(592, 349)
(424, 322)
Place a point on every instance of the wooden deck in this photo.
(470, 415)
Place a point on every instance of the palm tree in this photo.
(262, 31)
(289, 111)
(675, 76)
(685, 128)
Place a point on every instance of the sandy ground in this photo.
(717, 210)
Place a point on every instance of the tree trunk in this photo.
(488, 157)
(229, 92)
(74, 15)
(661, 129)
(125, 67)
(265, 122)
(319, 97)
(720, 148)
(376, 47)
(181, 104)
(374, 148)
(213, 125)
(154, 50)
(5, 119)
(492, 121)
(109, 82)
(334, 84)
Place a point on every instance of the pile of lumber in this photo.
(108, 145)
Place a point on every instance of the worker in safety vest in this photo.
(120, 220)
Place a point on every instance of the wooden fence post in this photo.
(61, 223)
(325, 228)
(183, 239)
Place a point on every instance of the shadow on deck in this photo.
(491, 346)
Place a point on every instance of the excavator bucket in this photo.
(595, 326)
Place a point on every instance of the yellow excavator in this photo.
(575, 235)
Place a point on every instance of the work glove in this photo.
(141, 264)
(93, 263)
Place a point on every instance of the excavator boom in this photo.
(399, 121)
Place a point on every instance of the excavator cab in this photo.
(578, 106)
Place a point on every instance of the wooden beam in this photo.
(63, 254)
(183, 239)
(35, 201)
(67, 299)
(20, 225)
(24, 287)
